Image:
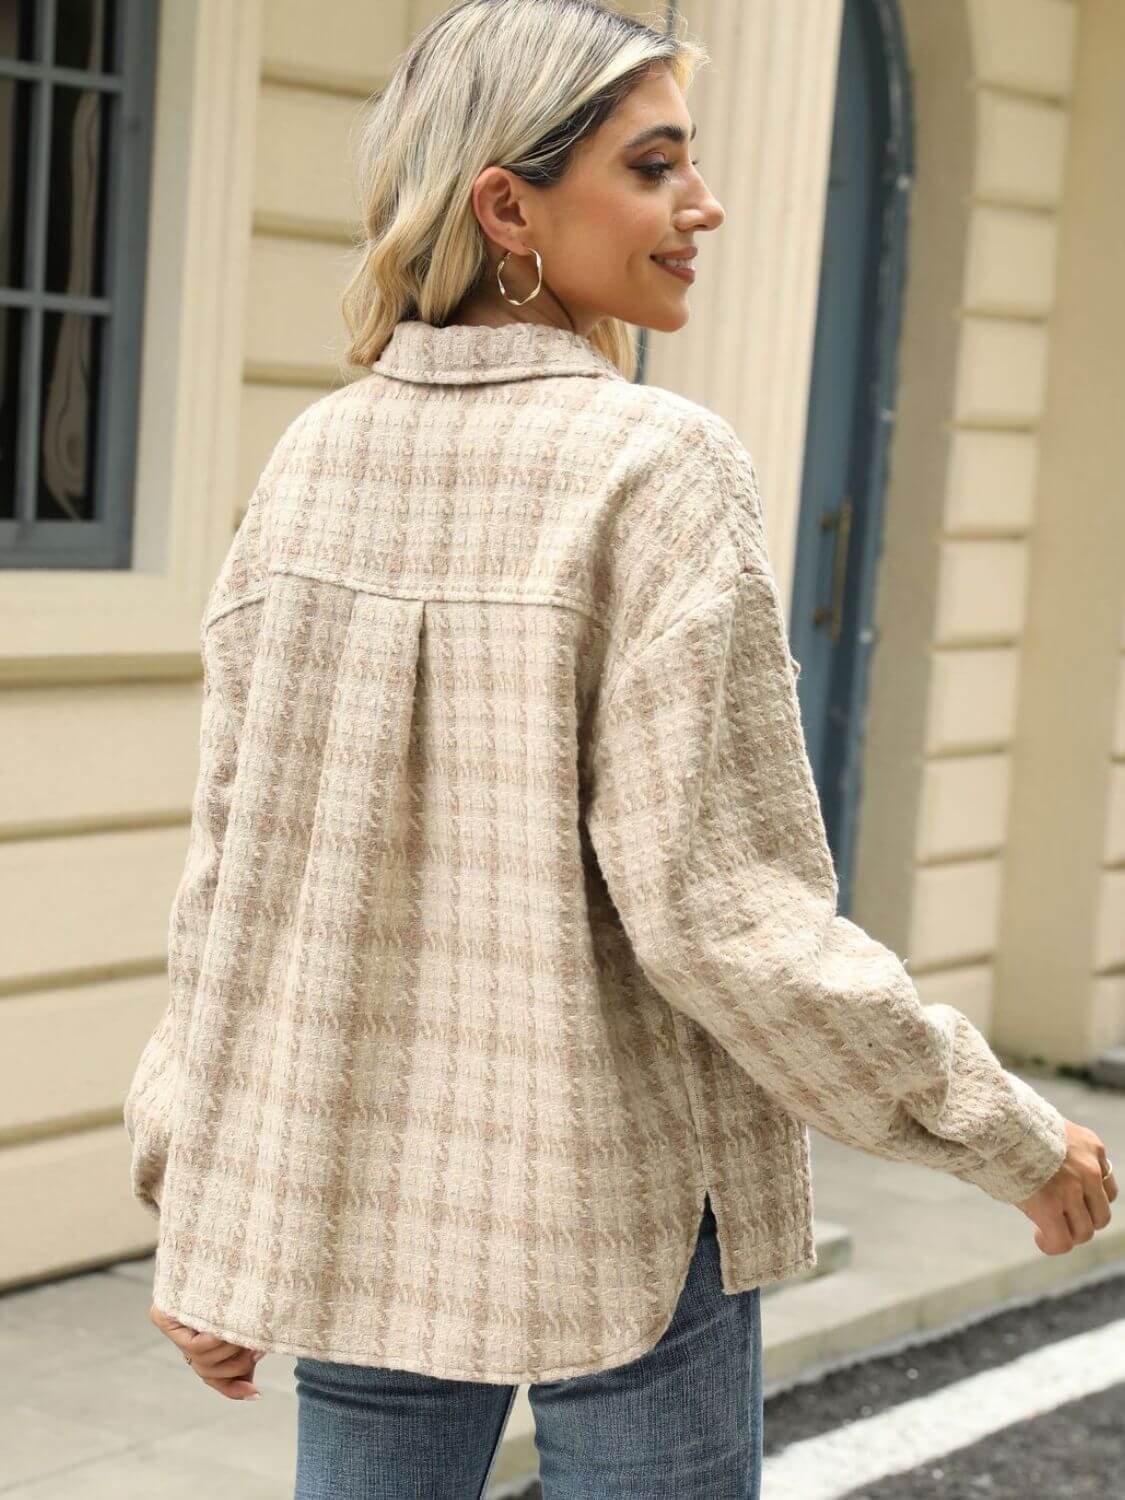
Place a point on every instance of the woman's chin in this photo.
(668, 319)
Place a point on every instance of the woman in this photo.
(506, 972)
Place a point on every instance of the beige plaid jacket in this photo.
(508, 923)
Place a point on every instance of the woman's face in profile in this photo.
(621, 203)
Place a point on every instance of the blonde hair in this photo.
(517, 83)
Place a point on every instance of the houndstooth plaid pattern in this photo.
(507, 927)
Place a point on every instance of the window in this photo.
(76, 113)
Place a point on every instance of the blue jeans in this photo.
(682, 1421)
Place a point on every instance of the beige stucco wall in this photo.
(904, 663)
(764, 105)
(978, 607)
(99, 694)
(1061, 960)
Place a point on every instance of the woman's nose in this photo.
(717, 212)
(712, 211)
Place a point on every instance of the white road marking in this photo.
(870, 1448)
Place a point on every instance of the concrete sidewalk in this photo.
(96, 1403)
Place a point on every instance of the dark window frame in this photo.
(129, 85)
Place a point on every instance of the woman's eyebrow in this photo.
(672, 132)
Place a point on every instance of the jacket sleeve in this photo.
(227, 653)
(156, 1084)
(706, 822)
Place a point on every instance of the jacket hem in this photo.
(388, 1358)
(771, 1274)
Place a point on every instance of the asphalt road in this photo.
(1046, 1442)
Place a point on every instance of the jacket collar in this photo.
(464, 353)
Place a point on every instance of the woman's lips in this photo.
(683, 270)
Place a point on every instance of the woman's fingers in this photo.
(1073, 1205)
(219, 1363)
(239, 1363)
(230, 1377)
(1097, 1202)
(205, 1347)
(201, 1346)
(234, 1390)
(1054, 1237)
(1081, 1223)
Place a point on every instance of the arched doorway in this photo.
(851, 409)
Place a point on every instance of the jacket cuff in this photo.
(1029, 1163)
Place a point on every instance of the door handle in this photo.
(842, 521)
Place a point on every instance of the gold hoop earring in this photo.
(535, 293)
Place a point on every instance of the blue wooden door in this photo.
(850, 409)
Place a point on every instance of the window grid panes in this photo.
(76, 109)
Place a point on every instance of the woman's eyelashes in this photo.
(657, 169)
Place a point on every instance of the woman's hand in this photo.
(1074, 1203)
(219, 1364)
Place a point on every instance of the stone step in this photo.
(1109, 1068)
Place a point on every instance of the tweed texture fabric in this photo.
(508, 922)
